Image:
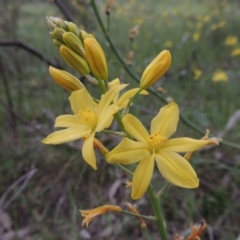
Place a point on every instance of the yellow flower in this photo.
(196, 36)
(231, 40)
(168, 44)
(65, 79)
(220, 76)
(92, 213)
(96, 58)
(88, 119)
(156, 69)
(235, 52)
(156, 146)
(197, 74)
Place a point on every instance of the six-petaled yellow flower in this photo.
(88, 118)
(157, 146)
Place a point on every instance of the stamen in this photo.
(156, 139)
(88, 116)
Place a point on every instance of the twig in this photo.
(31, 50)
(25, 179)
(20, 117)
(64, 10)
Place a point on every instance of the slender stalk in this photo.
(145, 233)
(158, 213)
(124, 169)
(139, 215)
(136, 78)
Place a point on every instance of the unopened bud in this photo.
(156, 69)
(82, 35)
(74, 60)
(57, 43)
(62, 24)
(96, 58)
(65, 79)
(57, 33)
(74, 43)
(73, 28)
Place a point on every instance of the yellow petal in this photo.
(142, 177)
(66, 135)
(96, 58)
(88, 151)
(65, 79)
(183, 144)
(176, 169)
(105, 117)
(69, 121)
(135, 128)
(156, 69)
(166, 121)
(81, 99)
(123, 100)
(107, 98)
(128, 152)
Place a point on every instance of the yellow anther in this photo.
(156, 139)
(88, 116)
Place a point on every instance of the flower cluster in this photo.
(93, 115)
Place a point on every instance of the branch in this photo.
(32, 51)
(64, 10)
(136, 78)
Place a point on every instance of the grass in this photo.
(63, 183)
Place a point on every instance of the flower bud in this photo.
(96, 58)
(82, 35)
(73, 28)
(57, 33)
(74, 43)
(65, 79)
(74, 60)
(156, 69)
(57, 43)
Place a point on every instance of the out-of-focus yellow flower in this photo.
(196, 36)
(96, 58)
(197, 74)
(157, 146)
(214, 27)
(93, 213)
(231, 40)
(206, 18)
(222, 23)
(88, 119)
(65, 79)
(235, 52)
(74, 60)
(220, 76)
(199, 25)
(168, 44)
(156, 69)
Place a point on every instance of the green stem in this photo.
(139, 215)
(145, 233)
(136, 78)
(124, 169)
(158, 213)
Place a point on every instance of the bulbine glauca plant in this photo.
(140, 146)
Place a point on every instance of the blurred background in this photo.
(42, 187)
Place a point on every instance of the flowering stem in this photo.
(139, 215)
(158, 213)
(136, 78)
(124, 169)
(145, 233)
